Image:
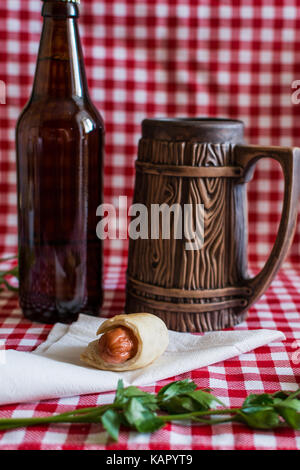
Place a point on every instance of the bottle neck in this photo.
(60, 71)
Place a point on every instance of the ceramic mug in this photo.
(202, 162)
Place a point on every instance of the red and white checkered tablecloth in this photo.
(169, 58)
(266, 369)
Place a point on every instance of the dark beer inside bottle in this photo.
(59, 162)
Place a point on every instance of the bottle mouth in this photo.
(60, 8)
(201, 129)
(65, 1)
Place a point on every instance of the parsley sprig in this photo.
(5, 275)
(177, 401)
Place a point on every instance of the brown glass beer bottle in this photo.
(59, 140)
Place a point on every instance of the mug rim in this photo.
(194, 129)
(200, 121)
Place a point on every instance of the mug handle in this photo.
(246, 156)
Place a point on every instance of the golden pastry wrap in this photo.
(150, 333)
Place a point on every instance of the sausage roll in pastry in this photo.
(128, 342)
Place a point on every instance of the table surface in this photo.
(268, 369)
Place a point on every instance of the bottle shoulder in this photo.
(65, 112)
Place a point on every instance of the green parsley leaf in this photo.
(123, 395)
(197, 400)
(178, 387)
(111, 422)
(289, 410)
(264, 399)
(259, 417)
(140, 417)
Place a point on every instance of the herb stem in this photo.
(214, 421)
(193, 414)
(10, 272)
(83, 415)
(294, 394)
(9, 258)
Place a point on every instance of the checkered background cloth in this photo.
(169, 58)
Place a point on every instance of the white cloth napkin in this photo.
(54, 369)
